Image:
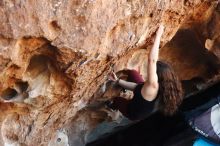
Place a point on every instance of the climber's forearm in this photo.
(126, 84)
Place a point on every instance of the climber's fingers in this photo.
(113, 77)
(160, 30)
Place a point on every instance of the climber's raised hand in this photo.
(160, 31)
(113, 77)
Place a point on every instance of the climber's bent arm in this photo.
(127, 85)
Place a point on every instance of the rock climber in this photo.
(161, 91)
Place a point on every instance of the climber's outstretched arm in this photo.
(153, 57)
(151, 85)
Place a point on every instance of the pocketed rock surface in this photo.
(55, 57)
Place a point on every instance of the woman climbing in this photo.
(162, 90)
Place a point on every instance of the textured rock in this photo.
(64, 50)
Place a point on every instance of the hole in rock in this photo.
(39, 73)
(186, 2)
(54, 25)
(38, 64)
(22, 86)
(19, 87)
(58, 139)
(8, 93)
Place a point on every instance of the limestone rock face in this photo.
(55, 57)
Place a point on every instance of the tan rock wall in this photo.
(64, 50)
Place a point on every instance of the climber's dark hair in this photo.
(170, 92)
